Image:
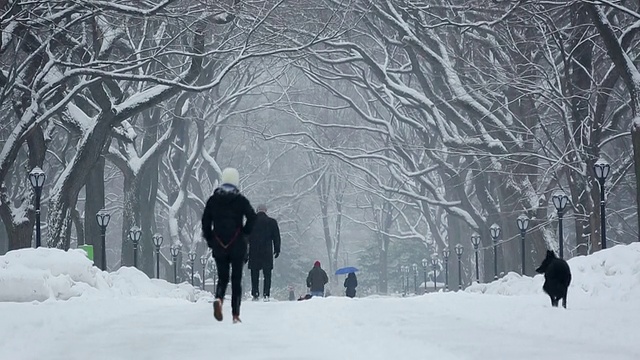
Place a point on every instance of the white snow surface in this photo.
(42, 274)
(125, 315)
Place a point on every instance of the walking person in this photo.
(350, 283)
(223, 230)
(316, 280)
(264, 246)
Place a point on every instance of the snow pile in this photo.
(42, 274)
(611, 274)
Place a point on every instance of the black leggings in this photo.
(223, 262)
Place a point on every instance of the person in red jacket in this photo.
(223, 230)
(316, 280)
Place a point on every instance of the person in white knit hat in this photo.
(223, 229)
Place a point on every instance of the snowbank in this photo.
(611, 274)
(42, 274)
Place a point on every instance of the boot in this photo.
(217, 309)
(236, 319)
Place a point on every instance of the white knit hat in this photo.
(230, 176)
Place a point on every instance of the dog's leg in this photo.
(564, 301)
(554, 303)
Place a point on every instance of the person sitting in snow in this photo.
(223, 230)
(316, 280)
(351, 282)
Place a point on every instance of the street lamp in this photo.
(495, 234)
(192, 260)
(36, 178)
(135, 233)
(434, 264)
(175, 250)
(103, 218)
(415, 278)
(157, 241)
(425, 264)
(406, 279)
(445, 255)
(203, 262)
(404, 288)
(459, 249)
(475, 241)
(602, 169)
(560, 200)
(523, 225)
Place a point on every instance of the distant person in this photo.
(351, 282)
(316, 280)
(223, 230)
(264, 246)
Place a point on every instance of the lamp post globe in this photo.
(425, 265)
(103, 218)
(494, 230)
(434, 265)
(475, 241)
(157, 242)
(174, 251)
(36, 178)
(203, 262)
(602, 169)
(523, 224)
(560, 201)
(192, 260)
(459, 249)
(135, 234)
(445, 256)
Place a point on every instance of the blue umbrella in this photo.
(346, 270)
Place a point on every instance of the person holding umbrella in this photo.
(350, 283)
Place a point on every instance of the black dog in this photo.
(557, 277)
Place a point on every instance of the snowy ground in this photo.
(478, 324)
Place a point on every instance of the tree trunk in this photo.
(130, 215)
(94, 194)
(635, 136)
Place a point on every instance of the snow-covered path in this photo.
(436, 326)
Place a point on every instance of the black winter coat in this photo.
(222, 222)
(263, 242)
(317, 278)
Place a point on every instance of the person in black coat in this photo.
(222, 228)
(264, 246)
(316, 280)
(351, 282)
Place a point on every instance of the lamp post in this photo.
(36, 178)
(135, 233)
(175, 250)
(445, 255)
(495, 234)
(157, 241)
(459, 249)
(560, 200)
(425, 264)
(203, 262)
(602, 168)
(404, 287)
(523, 225)
(406, 279)
(192, 260)
(475, 241)
(434, 264)
(103, 218)
(415, 278)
